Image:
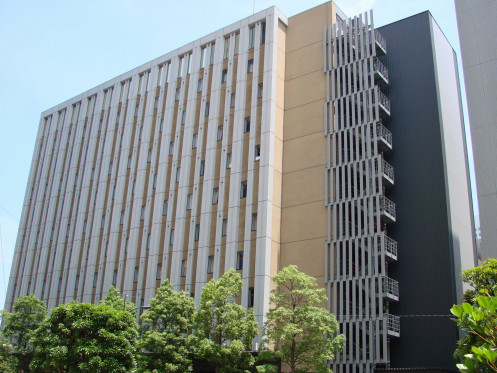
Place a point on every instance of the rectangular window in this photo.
(224, 227)
(176, 96)
(129, 162)
(164, 207)
(232, 100)
(257, 152)
(246, 125)
(133, 188)
(149, 156)
(197, 232)
(251, 297)
(259, 90)
(228, 160)
(263, 33)
(142, 214)
(171, 148)
(180, 68)
(171, 238)
(189, 201)
(84, 229)
(219, 133)
(239, 260)
(202, 58)
(102, 225)
(200, 84)
(156, 102)
(114, 278)
(177, 174)
(254, 222)
(161, 124)
(194, 140)
(224, 76)
(158, 272)
(202, 168)
(121, 219)
(76, 283)
(226, 48)
(237, 40)
(183, 117)
(210, 264)
(136, 109)
(251, 37)
(207, 108)
(243, 189)
(215, 195)
(183, 267)
(155, 181)
(140, 133)
(126, 245)
(95, 276)
(135, 275)
(117, 117)
(250, 66)
(148, 242)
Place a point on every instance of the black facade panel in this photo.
(425, 264)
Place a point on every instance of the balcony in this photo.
(381, 44)
(380, 72)
(383, 136)
(388, 246)
(384, 169)
(383, 102)
(392, 324)
(387, 210)
(390, 288)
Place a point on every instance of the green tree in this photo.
(28, 314)
(223, 329)
(115, 300)
(302, 332)
(167, 332)
(483, 282)
(8, 363)
(83, 337)
(481, 322)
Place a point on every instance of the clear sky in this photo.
(54, 50)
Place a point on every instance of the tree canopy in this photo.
(166, 341)
(224, 330)
(302, 331)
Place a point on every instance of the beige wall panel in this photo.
(278, 155)
(304, 120)
(308, 255)
(303, 186)
(307, 27)
(278, 123)
(305, 60)
(305, 89)
(280, 92)
(304, 222)
(304, 152)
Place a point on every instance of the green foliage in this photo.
(224, 330)
(167, 332)
(480, 321)
(115, 300)
(483, 280)
(302, 331)
(83, 337)
(28, 314)
(8, 363)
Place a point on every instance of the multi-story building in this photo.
(478, 36)
(314, 140)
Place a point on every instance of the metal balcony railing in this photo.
(387, 208)
(379, 68)
(390, 288)
(385, 168)
(383, 133)
(380, 40)
(390, 246)
(382, 100)
(393, 324)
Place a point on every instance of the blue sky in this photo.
(54, 50)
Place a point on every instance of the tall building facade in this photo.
(478, 37)
(315, 140)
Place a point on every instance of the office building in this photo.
(270, 142)
(478, 36)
